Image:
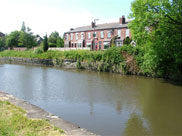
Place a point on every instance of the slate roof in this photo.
(2, 35)
(99, 27)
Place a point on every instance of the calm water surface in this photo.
(107, 104)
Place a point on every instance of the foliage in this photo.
(14, 123)
(2, 43)
(45, 44)
(12, 39)
(55, 40)
(156, 27)
(39, 50)
(127, 40)
(26, 39)
(106, 59)
(23, 38)
(60, 42)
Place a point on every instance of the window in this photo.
(119, 33)
(102, 34)
(88, 45)
(82, 36)
(119, 43)
(89, 35)
(106, 45)
(71, 36)
(79, 45)
(127, 32)
(109, 34)
(76, 36)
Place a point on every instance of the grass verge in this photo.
(13, 122)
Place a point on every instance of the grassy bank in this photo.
(126, 60)
(111, 60)
(13, 122)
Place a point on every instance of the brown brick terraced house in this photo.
(97, 37)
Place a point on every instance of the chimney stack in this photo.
(93, 24)
(122, 20)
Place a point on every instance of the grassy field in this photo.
(13, 122)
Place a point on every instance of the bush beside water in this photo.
(126, 59)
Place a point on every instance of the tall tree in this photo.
(26, 38)
(52, 40)
(156, 27)
(45, 43)
(12, 39)
(23, 28)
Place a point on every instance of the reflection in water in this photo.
(107, 104)
(135, 126)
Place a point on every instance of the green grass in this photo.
(107, 60)
(13, 122)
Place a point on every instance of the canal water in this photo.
(104, 103)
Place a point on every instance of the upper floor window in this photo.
(82, 36)
(119, 33)
(71, 36)
(76, 36)
(127, 32)
(89, 35)
(102, 34)
(109, 34)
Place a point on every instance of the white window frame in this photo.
(102, 34)
(127, 32)
(82, 35)
(89, 35)
(108, 34)
(71, 36)
(76, 36)
(119, 33)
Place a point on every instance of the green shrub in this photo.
(38, 51)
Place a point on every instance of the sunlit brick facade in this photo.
(83, 37)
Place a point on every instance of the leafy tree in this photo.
(45, 43)
(12, 39)
(127, 41)
(156, 27)
(26, 39)
(2, 43)
(113, 41)
(53, 39)
(60, 42)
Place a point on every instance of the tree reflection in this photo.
(135, 126)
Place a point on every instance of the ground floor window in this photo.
(106, 45)
(119, 43)
(79, 45)
(88, 45)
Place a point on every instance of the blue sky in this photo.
(59, 15)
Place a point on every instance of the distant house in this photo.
(2, 35)
(97, 37)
